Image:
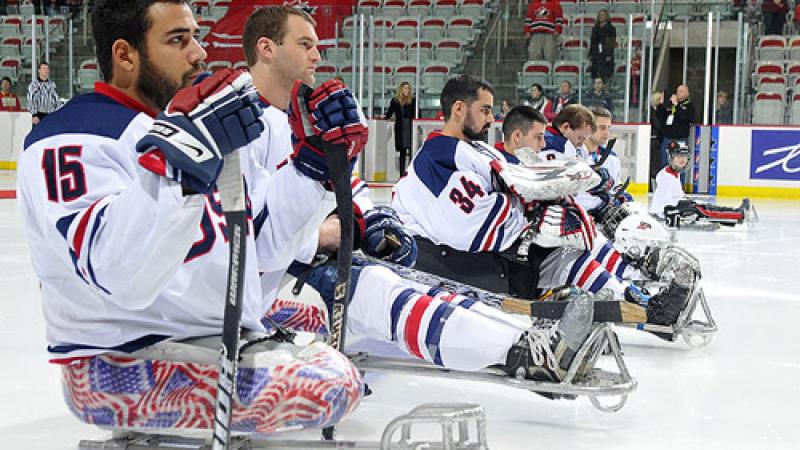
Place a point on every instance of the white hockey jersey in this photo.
(668, 192)
(123, 257)
(448, 197)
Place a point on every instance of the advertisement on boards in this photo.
(775, 155)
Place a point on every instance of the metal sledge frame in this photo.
(597, 383)
(450, 416)
(696, 332)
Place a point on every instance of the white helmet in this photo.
(638, 232)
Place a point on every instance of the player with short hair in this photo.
(128, 239)
(670, 203)
(457, 183)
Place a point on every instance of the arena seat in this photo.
(405, 28)
(10, 47)
(368, 7)
(593, 6)
(9, 67)
(433, 28)
(449, 51)
(340, 54)
(566, 70)
(462, 28)
(433, 78)
(771, 83)
(27, 27)
(796, 109)
(425, 51)
(26, 9)
(421, 8)
(793, 73)
(219, 9)
(444, 8)
(393, 8)
(405, 72)
(575, 25)
(474, 8)
(88, 74)
(768, 108)
(393, 50)
(11, 26)
(627, 6)
(534, 72)
(384, 28)
(793, 48)
(771, 48)
(571, 49)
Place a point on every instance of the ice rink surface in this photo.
(740, 392)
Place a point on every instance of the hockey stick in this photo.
(604, 311)
(604, 155)
(231, 189)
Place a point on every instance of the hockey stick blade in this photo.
(604, 155)
(231, 189)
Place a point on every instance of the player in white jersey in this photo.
(670, 203)
(469, 226)
(597, 142)
(280, 46)
(127, 235)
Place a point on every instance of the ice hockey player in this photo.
(128, 240)
(280, 47)
(470, 220)
(670, 203)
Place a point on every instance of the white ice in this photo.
(740, 392)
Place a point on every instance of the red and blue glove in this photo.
(199, 127)
(324, 120)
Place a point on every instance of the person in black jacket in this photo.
(601, 47)
(403, 108)
(677, 115)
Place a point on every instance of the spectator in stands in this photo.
(42, 96)
(601, 47)
(543, 24)
(403, 108)
(558, 102)
(598, 96)
(677, 116)
(538, 100)
(3, 6)
(774, 15)
(724, 112)
(505, 107)
(656, 124)
(8, 100)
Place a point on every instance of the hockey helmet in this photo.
(616, 214)
(677, 148)
(638, 232)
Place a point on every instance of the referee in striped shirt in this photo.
(42, 96)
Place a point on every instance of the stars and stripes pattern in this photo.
(297, 315)
(316, 391)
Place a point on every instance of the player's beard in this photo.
(157, 86)
(471, 134)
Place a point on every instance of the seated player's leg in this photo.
(453, 331)
(172, 385)
(724, 215)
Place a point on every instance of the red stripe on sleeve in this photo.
(413, 322)
(590, 269)
(80, 233)
(487, 244)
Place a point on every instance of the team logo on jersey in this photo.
(775, 155)
(644, 226)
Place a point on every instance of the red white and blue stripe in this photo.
(80, 231)
(611, 260)
(490, 235)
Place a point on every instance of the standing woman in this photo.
(403, 107)
(601, 47)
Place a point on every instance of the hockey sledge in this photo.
(457, 421)
(596, 384)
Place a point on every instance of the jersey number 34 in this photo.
(464, 201)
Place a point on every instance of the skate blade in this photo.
(595, 384)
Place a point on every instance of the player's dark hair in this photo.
(577, 116)
(120, 19)
(599, 111)
(270, 22)
(464, 88)
(521, 118)
(6, 79)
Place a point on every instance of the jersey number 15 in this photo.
(63, 173)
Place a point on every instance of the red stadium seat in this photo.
(534, 72)
(771, 48)
(768, 108)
